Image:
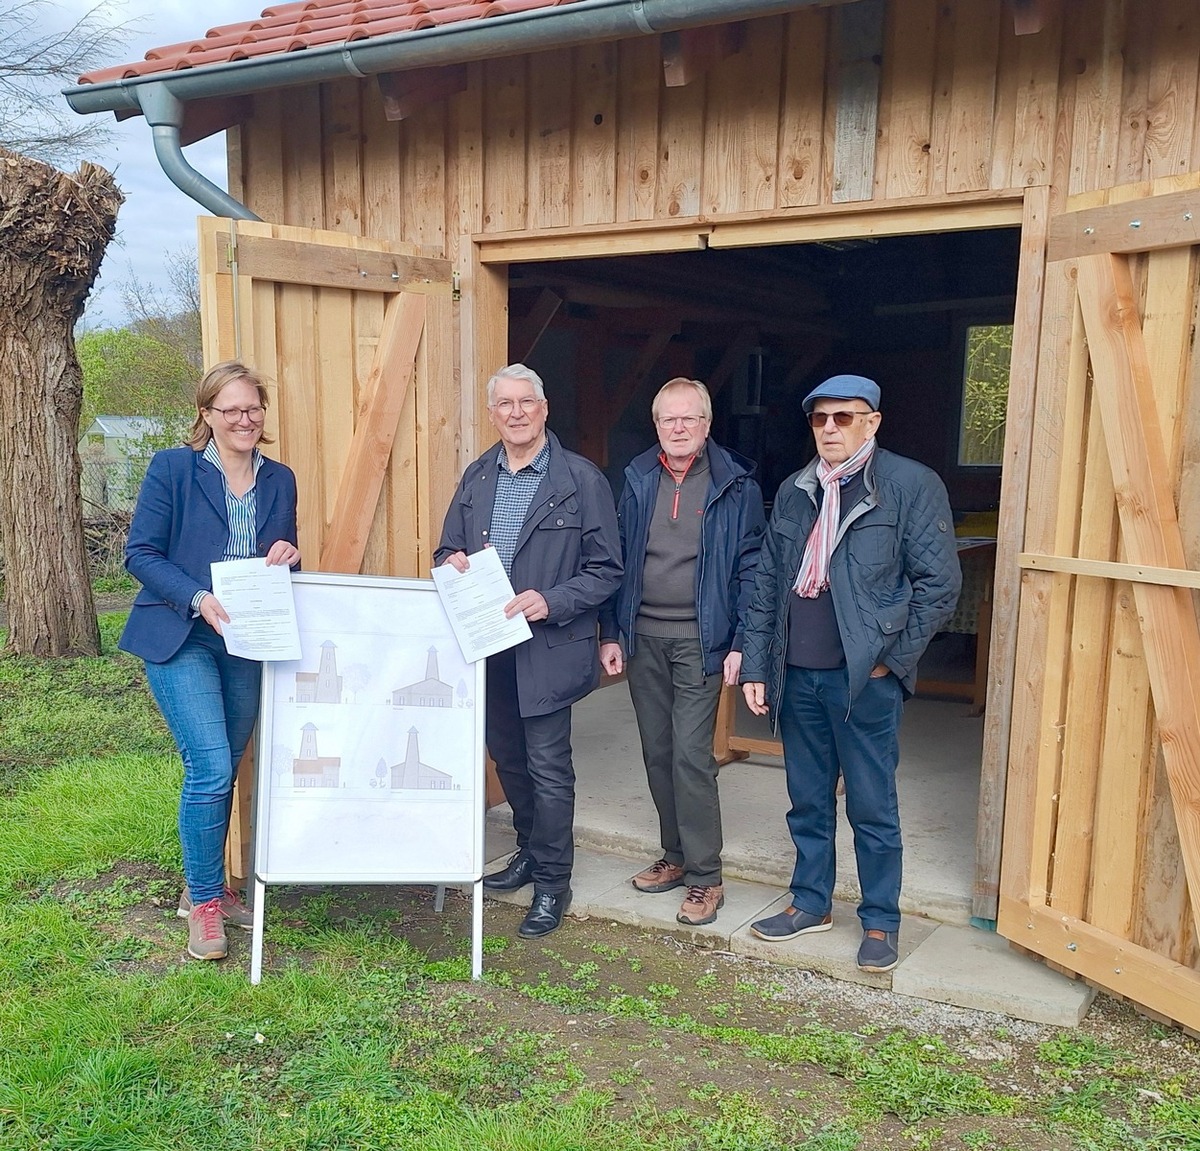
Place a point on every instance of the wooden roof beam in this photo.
(735, 353)
(526, 332)
(639, 371)
(689, 54)
(405, 93)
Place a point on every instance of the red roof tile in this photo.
(310, 24)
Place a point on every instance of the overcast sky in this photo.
(156, 217)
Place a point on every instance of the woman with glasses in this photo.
(217, 498)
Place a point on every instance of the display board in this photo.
(370, 746)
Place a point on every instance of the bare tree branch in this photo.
(36, 63)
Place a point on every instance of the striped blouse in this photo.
(242, 512)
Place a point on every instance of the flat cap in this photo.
(844, 388)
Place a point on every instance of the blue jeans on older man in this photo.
(822, 736)
(209, 699)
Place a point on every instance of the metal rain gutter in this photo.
(161, 96)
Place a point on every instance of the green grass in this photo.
(76, 709)
(355, 1039)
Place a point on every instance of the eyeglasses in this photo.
(669, 422)
(507, 407)
(817, 420)
(234, 416)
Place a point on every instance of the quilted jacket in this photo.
(894, 575)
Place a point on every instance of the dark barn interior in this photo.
(762, 326)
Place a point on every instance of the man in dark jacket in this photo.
(858, 572)
(549, 514)
(691, 519)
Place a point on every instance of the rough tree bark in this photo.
(54, 228)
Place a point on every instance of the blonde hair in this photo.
(210, 387)
(678, 383)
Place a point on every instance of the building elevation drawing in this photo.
(412, 773)
(323, 685)
(310, 769)
(428, 692)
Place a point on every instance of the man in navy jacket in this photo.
(858, 572)
(691, 521)
(549, 514)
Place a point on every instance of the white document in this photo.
(474, 601)
(262, 611)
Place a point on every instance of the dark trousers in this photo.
(676, 707)
(533, 761)
(819, 739)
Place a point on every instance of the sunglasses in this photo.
(817, 420)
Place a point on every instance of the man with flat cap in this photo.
(858, 571)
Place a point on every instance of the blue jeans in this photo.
(209, 699)
(819, 741)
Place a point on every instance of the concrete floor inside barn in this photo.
(942, 957)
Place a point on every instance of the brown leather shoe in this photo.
(702, 905)
(660, 876)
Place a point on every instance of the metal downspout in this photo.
(164, 113)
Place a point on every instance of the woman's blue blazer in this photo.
(180, 526)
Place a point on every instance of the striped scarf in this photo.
(813, 577)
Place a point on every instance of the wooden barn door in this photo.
(356, 339)
(1101, 861)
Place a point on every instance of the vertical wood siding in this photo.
(1105, 94)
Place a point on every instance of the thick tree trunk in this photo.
(54, 229)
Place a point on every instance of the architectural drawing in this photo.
(365, 775)
(412, 773)
(310, 769)
(428, 692)
(323, 685)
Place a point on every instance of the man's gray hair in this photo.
(516, 372)
(678, 384)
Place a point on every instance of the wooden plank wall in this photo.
(1104, 94)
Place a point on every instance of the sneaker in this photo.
(231, 907)
(701, 905)
(789, 922)
(660, 876)
(206, 931)
(878, 950)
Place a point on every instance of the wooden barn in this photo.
(991, 206)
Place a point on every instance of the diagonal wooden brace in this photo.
(1150, 528)
(374, 433)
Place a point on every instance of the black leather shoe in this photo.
(546, 914)
(518, 873)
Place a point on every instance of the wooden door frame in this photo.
(484, 257)
(1138, 389)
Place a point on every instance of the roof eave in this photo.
(497, 36)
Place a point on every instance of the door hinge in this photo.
(456, 285)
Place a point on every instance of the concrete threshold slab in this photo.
(978, 969)
(938, 962)
(833, 952)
